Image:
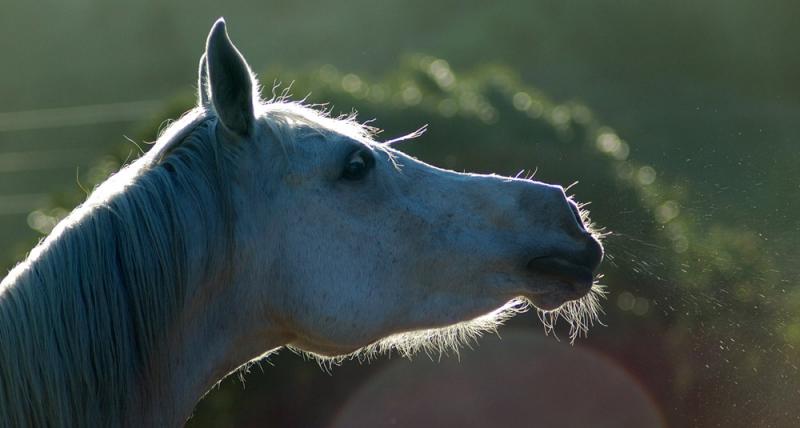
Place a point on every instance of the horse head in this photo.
(346, 242)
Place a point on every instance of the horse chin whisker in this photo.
(435, 342)
(579, 314)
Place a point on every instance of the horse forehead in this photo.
(310, 137)
(304, 121)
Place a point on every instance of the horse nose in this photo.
(585, 250)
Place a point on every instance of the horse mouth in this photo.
(574, 281)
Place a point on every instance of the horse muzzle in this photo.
(575, 269)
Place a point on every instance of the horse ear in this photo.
(203, 99)
(230, 82)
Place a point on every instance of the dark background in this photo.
(679, 119)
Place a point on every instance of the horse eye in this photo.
(358, 165)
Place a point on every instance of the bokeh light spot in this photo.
(440, 70)
(561, 115)
(411, 95)
(522, 101)
(351, 83)
(626, 301)
(667, 212)
(640, 306)
(646, 175)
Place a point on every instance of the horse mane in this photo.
(84, 315)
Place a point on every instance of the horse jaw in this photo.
(431, 341)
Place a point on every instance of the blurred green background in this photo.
(679, 120)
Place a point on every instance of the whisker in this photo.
(435, 342)
(579, 314)
(566, 189)
(416, 134)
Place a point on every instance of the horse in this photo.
(253, 225)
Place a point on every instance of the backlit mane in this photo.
(97, 283)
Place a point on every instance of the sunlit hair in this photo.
(579, 314)
(434, 342)
(585, 312)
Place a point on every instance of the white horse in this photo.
(251, 226)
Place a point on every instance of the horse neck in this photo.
(93, 324)
(214, 334)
